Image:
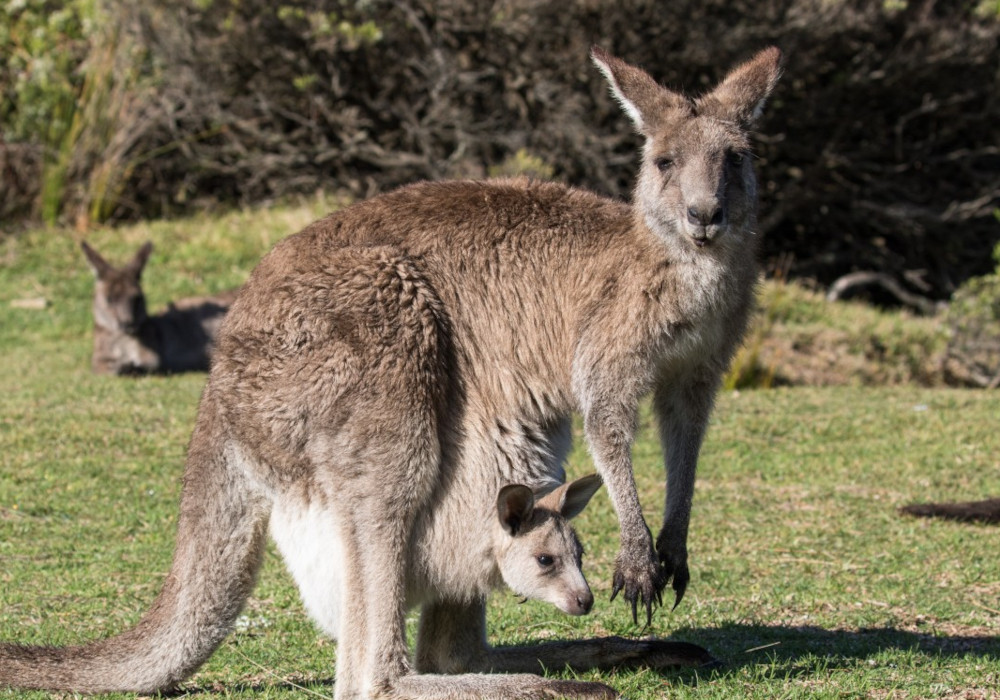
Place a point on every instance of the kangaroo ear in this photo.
(98, 264)
(740, 97)
(645, 101)
(514, 506)
(138, 262)
(570, 499)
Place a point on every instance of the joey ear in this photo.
(644, 100)
(138, 262)
(740, 97)
(578, 495)
(571, 498)
(98, 265)
(514, 506)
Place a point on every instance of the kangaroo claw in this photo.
(640, 585)
(675, 568)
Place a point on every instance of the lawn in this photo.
(805, 580)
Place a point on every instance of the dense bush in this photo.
(879, 150)
(41, 46)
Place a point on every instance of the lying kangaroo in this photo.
(385, 371)
(127, 340)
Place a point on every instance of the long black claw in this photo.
(635, 612)
(679, 592)
(649, 612)
(681, 578)
(616, 588)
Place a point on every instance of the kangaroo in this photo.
(127, 340)
(387, 370)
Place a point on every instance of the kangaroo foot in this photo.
(584, 690)
(475, 686)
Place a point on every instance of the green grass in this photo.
(806, 582)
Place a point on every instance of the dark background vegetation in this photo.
(879, 150)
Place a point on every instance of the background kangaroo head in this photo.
(119, 304)
(696, 184)
(540, 556)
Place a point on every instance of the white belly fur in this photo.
(308, 538)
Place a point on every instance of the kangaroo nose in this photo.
(705, 216)
(585, 602)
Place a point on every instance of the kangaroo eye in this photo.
(663, 164)
(544, 560)
(735, 158)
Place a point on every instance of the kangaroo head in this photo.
(696, 187)
(539, 555)
(119, 304)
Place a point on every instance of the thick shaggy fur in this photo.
(394, 365)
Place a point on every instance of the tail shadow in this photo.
(987, 511)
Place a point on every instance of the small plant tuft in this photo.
(525, 163)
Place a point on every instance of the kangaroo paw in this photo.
(640, 580)
(675, 568)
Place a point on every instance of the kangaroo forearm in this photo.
(683, 412)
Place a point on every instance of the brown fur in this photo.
(387, 370)
(127, 340)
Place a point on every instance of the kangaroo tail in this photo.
(987, 511)
(221, 532)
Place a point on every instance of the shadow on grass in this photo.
(797, 649)
(740, 645)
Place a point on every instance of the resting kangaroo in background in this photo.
(129, 341)
(387, 370)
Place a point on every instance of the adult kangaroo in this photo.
(385, 371)
(128, 340)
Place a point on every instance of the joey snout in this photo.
(578, 602)
(584, 602)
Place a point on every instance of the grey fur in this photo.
(127, 340)
(387, 370)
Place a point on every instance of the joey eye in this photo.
(735, 158)
(544, 560)
(663, 164)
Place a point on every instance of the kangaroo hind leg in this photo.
(383, 505)
(452, 639)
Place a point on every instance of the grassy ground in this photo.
(806, 582)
